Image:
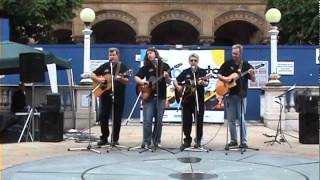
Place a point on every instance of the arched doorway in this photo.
(62, 36)
(113, 31)
(174, 32)
(235, 32)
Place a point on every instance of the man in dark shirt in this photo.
(153, 88)
(191, 77)
(234, 109)
(120, 82)
(18, 100)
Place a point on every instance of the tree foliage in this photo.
(34, 18)
(299, 23)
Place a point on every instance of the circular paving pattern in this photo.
(163, 165)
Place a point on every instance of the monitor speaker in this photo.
(51, 126)
(31, 67)
(53, 102)
(309, 120)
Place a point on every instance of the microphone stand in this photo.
(113, 145)
(241, 119)
(158, 125)
(196, 111)
(89, 147)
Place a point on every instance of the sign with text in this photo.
(285, 67)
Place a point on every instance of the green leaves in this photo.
(300, 21)
(34, 18)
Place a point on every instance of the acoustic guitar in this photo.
(100, 88)
(222, 88)
(147, 89)
(190, 89)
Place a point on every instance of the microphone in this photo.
(155, 62)
(193, 69)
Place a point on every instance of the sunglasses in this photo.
(193, 60)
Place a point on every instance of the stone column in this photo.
(83, 107)
(272, 107)
(143, 39)
(206, 40)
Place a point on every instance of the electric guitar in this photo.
(100, 88)
(147, 89)
(222, 88)
(190, 88)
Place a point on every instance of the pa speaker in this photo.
(309, 128)
(51, 126)
(32, 67)
(308, 107)
(53, 102)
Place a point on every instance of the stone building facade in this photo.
(214, 22)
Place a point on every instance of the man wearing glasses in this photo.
(189, 84)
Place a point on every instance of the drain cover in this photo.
(191, 176)
(189, 159)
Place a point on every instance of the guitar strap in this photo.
(118, 68)
(240, 66)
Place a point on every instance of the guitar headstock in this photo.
(258, 66)
(177, 65)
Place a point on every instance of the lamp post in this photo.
(273, 16)
(87, 16)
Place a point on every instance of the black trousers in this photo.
(187, 112)
(106, 113)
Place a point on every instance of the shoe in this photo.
(102, 142)
(243, 145)
(157, 145)
(233, 144)
(115, 143)
(144, 146)
(197, 145)
(184, 146)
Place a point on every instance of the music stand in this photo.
(279, 131)
(89, 147)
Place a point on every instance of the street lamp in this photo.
(87, 16)
(273, 16)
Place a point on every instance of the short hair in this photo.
(113, 49)
(238, 46)
(194, 55)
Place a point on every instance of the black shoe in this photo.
(233, 144)
(243, 145)
(144, 146)
(115, 143)
(102, 142)
(196, 145)
(184, 145)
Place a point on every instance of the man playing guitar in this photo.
(157, 74)
(120, 82)
(237, 94)
(189, 99)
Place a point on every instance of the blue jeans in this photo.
(150, 111)
(233, 109)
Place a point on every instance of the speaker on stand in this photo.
(31, 69)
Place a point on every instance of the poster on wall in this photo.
(261, 74)
(211, 60)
